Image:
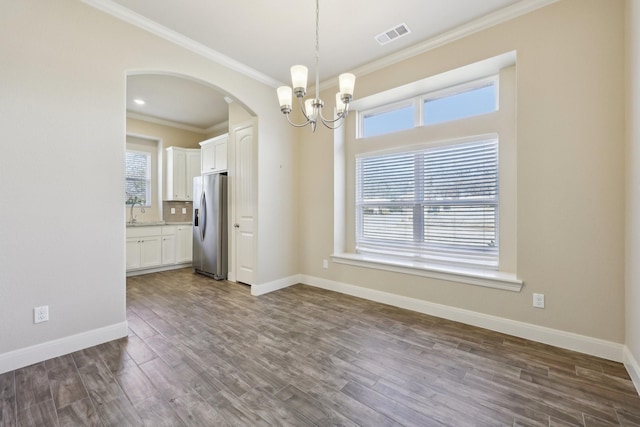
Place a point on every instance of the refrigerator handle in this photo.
(203, 215)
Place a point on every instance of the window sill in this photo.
(489, 279)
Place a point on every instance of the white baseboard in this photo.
(567, 340)
(40, 352)
(265, 288)
(633, 367)
(158, 269)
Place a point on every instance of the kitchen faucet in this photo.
(135, 201)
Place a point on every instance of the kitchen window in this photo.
(138, 178)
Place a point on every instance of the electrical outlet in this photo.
(325, 263)
(184, 211)
(538, 300)
(173, 211)
(41, 314)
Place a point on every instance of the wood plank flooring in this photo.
(207, 353)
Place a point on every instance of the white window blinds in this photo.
(436, 204)
(137, 177)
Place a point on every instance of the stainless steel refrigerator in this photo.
(210, 225)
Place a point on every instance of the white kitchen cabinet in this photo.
(193, 164)
(183, 164)
(214, 154)
(168, 250)
(184, 243)
(144, 247)
(158, 247)
(133, 253)
(150, 252)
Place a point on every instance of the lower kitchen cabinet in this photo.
(144, 252)
(156, 248)
(168, 250)
(184, 244)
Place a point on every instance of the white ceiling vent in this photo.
(393, 34)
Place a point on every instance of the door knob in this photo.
(236, 225)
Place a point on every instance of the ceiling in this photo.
(267, 37)
(176, 100)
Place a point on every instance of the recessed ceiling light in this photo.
(139, 101)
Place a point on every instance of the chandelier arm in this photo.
(329, 124)
(341, 116)
(296, 124)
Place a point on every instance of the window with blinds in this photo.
(137, 177)
(436, 204)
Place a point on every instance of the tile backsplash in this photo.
(178, 208)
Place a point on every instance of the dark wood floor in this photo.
(206, 353)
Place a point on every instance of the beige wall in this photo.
(71, 114)
(633, 186)
(570, 165)
(170, 136)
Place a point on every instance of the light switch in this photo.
(184, 211)
(173, 211)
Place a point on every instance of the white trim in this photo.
(486, 68)
(163, 122)
(633, 367)
(567, 340)
(265, 288)
(37, 353)
(158, 269)
(220, 126)
(486, 278)
(114, 9)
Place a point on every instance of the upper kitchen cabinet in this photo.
(183, 164)
(214, 154)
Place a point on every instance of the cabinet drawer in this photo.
(144, 231)
(169, 230)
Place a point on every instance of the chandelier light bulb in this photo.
(347, 83)
(284, 98)
(310, 109)
(299, 75)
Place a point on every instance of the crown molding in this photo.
(163, 122)
(216, 128)
(518, 9)
(127, 15)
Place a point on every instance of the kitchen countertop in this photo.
(155, 223)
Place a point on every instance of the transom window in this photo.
(454, 103)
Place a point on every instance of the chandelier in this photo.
(312, 108)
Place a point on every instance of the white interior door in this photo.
(244, 206)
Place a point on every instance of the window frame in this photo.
(147, 201)
(418, 101)
(387, 108)
(459, 89)
(347, 144)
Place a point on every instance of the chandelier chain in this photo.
(317, 49)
